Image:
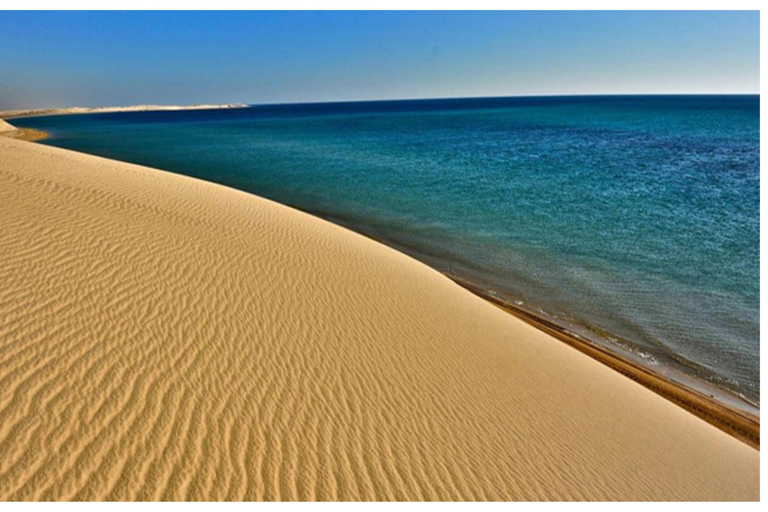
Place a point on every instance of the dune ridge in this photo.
(167, 338)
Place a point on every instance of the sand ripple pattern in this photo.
(163, 338)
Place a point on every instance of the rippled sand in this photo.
(166, 338)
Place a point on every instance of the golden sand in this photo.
(166, 338)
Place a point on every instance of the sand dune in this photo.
(166, 338)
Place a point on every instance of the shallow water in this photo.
(635, 216)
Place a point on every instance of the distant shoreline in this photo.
(15, 114)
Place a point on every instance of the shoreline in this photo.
(722, 401)
(26, 134)
(736, 421)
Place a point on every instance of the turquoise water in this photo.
(635, 218)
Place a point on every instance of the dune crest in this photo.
(166, 338)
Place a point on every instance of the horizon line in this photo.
(383, 100)
(442, 98)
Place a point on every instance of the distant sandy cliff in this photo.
(99, 110)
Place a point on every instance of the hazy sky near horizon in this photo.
(120, 58)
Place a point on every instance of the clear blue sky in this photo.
(91, 59)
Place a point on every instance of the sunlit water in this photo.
(636, 217)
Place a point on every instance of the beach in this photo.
(163, 337)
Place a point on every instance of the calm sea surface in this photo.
(635, 219)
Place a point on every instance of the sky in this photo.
(58, 59)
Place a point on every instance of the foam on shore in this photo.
(167, 338)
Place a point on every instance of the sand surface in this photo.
(167, 338)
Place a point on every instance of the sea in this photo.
(632, 221)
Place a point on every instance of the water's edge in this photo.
(732, 413)
(672, 371)
(735, 421)
(702, 336)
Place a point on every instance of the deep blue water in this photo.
(634, 217)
